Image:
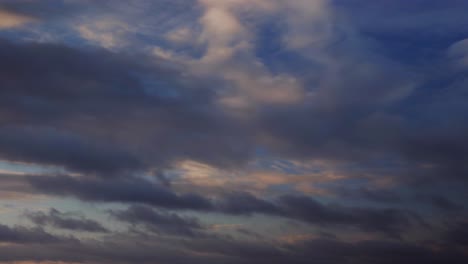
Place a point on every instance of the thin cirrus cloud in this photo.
(312, 130)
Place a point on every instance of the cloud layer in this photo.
(234, 131)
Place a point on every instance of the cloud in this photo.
(179, 108)
(228, 251)
(445, 204)
(388, 221)
(458, 53)
(106, 33)
(125, 190)
(10, 19)
(158, 222)
(66, 221)
(13, 187)
(51, 147)
(377, 195)
(24, 235)
(245, 203)
(99, 91)
(229, 55)
(457, 234)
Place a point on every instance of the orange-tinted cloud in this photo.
(13, 20)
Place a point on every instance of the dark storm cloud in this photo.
(68, 221)
(158, 221)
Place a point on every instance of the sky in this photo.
(233, 131)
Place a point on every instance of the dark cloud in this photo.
(444, 204)
(157, 221)
(215, 250)
(102, 112)
(377, 108)
(380, 252)
(51, 147)
(244, 204)
(25, 235)
(67, 221)
(458, 234)
(373, 195)
(385, 103)
(126, 190)
(362, 134)
(388, 221)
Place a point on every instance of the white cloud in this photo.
(108, 33)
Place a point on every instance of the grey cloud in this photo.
(389, 221)
(25, 235)
(158, 221)
(51, 147)
(358, 134)
(443, 202)
(373, 195)
(85, 103)
(125, 190)
(244, 204)
(215, 250)
(67, 221)
(457, 234)
(387, 100)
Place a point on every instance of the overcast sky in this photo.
(233, 131)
